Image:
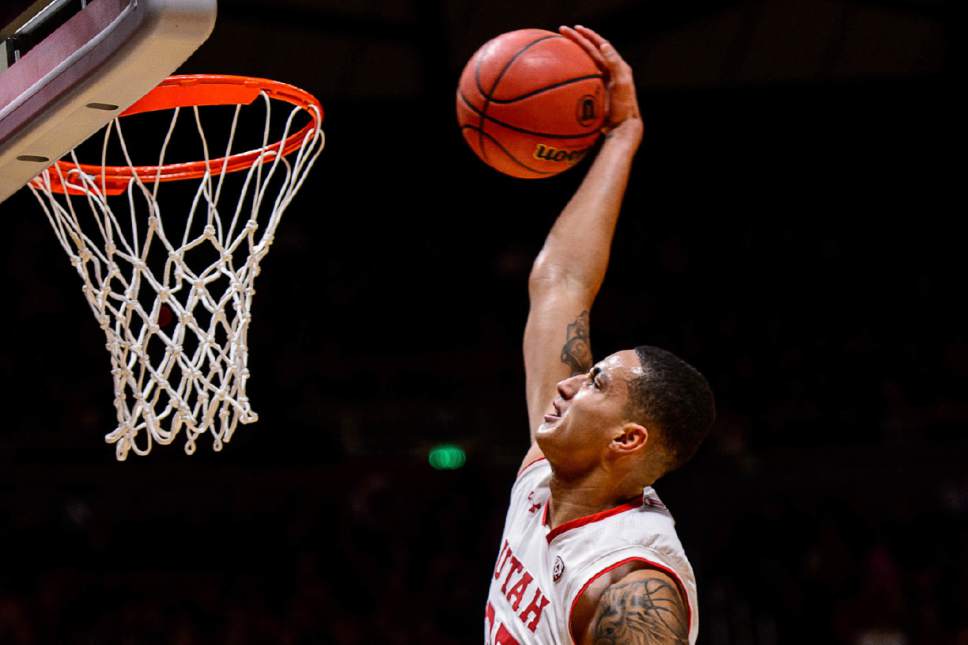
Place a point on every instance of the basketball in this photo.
(531, 103)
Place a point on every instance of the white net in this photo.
(173, 291)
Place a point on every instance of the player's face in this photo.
(588, 412)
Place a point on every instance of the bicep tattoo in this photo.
(577, 350)
(649, 611)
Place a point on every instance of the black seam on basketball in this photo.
(477, 68)
(549, 135)
(487, 95)
(482, 134)
(547, 88)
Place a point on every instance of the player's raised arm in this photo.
(569, 270)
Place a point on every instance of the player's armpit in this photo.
(643, 607)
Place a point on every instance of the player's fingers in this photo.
(590, 34)
(617, 67)
(590, 48)
(607, 51)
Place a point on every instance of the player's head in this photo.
(640, 411)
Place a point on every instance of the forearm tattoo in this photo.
(642, 612)
(577, 350)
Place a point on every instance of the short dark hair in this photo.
(675, 397)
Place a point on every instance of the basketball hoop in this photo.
(174, 297)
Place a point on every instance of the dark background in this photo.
(789, 228)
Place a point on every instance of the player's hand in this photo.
(623, 106)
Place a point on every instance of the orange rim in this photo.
(199, 90)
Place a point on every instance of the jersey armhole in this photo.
(525, 468)
(651, 564)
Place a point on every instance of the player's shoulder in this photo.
(649, 524)
(649, 534)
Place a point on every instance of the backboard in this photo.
(68, 67)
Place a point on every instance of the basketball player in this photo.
(589, 552)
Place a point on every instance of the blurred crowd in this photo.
(402, 555)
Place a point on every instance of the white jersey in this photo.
(541, 573)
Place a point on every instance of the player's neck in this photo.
(572, 499)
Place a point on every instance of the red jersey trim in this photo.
(528, 465)
(588, 519)
(654, 565)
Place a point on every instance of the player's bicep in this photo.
(556, 345)
(643, 607)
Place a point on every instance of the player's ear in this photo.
(631, 437)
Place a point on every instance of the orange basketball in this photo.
(531, 103)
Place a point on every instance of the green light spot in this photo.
(446, 456)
